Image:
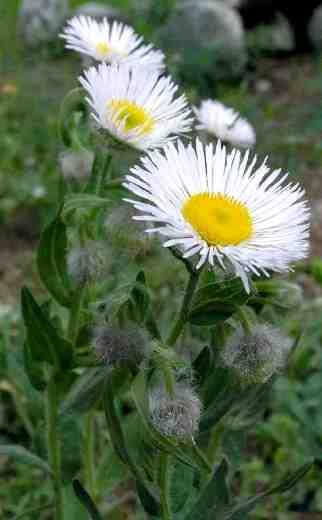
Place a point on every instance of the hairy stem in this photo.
(89, 454)
(163, 482)
(54, 445)
(75, 315)
(185, 307)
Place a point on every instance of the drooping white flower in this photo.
(110, 42)
(217, 205)
(226, 124)
(136, 106)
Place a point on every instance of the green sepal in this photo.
(51, 261)
(217, 301)
(246, 506)
(43, 339)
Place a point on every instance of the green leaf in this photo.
(119, 442)
(73, 111)
(85, 392)
(214, 498)
(202, 365)
(51, 261)
(181, 489)
(23, 456)
(86, 500)
(83, 202)
(44, 342)
(217, 301)
(33, 369)
(139, 300)
(246, 506)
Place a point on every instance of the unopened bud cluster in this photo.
(115, 346)
(256, 356)
(177, 415)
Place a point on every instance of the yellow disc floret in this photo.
(133, 116)
(219, 219)
(102, 50)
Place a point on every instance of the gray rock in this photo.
(99, 11)
(39, 21)
(207, 36)
(315, 28)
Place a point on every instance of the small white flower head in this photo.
(226, 124)
(220, 207)
(137, 107)
(257, 356)
(87, 264)
(176, 415)
(110, 42)
(115, 347)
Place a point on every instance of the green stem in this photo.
(163, 482)
(75, 315)
(54, 445)
(89, 454)
(185, 307)
(245, 320)
(201, 457)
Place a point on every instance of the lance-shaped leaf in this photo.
(72, 113)
(85, 392)
(246, 506)
(86, 500)
(44, 342)
(51, 261)
(33, 369)
(23, 456)
(214, 498)
(119, 443)
(217, 301)
(83, 202)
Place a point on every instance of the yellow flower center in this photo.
(133, 116)
(220, 220)
(102, 49)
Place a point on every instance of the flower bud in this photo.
(87, 264)
(115, 346)
(125, 233)
(76, 165)
(176, 415)
(255, 357)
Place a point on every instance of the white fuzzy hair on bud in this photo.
(87, 264)
(114, 346)
(76, 165)
(176, 415)
(257, 356)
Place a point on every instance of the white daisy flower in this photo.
(226, 124)
(110, 42)
(220, 207)
(135, 105)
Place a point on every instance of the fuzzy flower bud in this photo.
(255, 357)
(76, 165)
(176, 415)
(115, 346)
(125, 233)
(87, 264)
